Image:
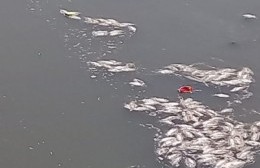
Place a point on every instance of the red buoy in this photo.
(185, 89)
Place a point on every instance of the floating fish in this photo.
(240, 79)
(236, 89)
(185, 89)
(107, 33)
(110, 22)
(213, 140)
(70, 14)
(227, 110)
(114, 66)
(100, 33)
(249, 16)
(137, 82)
(116, 32)
(221, 95)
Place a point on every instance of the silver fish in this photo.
(249, 16)
(221, 95)
(190, 162)
(137, 82)
(69, 13)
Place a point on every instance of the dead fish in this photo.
(100, 33)
(165, 71)
(236, 89)
(162, 151)
(116, 32)
(129, 67)
(131, 106)
(137, 82)
(142, 108)
(175, 159)
(188, 134)
(161, 100)
(234, 164)
(169, 120)
(220, 151)
(172, 132)
(179, 136)
(227, 110)
(149, 107)
(217, 135)
(254, 129)
(70, 14)
(150, 101)
(255, 136)
(169, 141)
(221, 95)
(207, 159)
(253, 143)
(132, 28)
(257, 123)
(109, 62)
(190, 163)
(243, 154)
(221, 163)
(249, 16)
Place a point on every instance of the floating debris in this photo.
(185, 89)
(70, 14)
(137, 82)
(221, 95)
(199, 136)
(249, 16)
(114, 66)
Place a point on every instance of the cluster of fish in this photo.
(222, 77)
(117, 27)
(195, 135)
(113, 66)
(198, 136)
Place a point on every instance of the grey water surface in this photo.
(54, 114)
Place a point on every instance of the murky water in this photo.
(58, 110)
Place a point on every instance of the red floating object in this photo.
(185, 89)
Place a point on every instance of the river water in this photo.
(55, 111)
